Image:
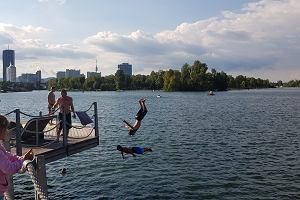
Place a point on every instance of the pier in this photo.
(36, 133)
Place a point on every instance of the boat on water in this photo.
(211, 93)
(158, 96)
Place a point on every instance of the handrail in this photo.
(29, 167)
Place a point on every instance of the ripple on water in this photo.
(236, 145)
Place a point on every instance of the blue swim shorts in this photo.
(138, 150)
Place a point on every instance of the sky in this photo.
(256, 38)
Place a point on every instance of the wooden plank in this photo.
(56, 151)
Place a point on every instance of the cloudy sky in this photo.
(259, 38)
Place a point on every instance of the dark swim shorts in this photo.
(68, 120)
(141, 114)
(138, 150)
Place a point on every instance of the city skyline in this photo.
(256, 38)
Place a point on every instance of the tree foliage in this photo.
(195, 77)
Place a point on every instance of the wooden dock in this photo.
(34, 132)
(78, 140)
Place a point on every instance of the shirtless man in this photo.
(133, 150)
(51, 102)
(138, 118)
(66, 105)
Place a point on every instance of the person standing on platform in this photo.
(66, 107)
(51, 102)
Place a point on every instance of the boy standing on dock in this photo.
(51, 102)
(66, 107)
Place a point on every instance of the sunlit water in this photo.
(234, 145)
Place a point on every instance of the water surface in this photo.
(234, 145)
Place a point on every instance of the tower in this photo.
(8, 58)
(96, 66)
(11, 73)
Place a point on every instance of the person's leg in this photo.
(69, 122)
(60, 126)
(147, 149)
(50, 112)
(143, 104)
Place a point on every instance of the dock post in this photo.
(96, 120)
(18, 133)
(65, 136)
(9, 195)
(41, 174)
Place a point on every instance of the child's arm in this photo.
(7, 166)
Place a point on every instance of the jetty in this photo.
(36, 132)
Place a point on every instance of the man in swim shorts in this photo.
(138, 118)
(133, 150)
(66, 106)
(51, 101)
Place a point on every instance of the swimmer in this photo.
(133, 150)
(63, 171)
(138, 118)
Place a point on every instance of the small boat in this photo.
(211, 93)
(158, 96)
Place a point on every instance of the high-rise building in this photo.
(93, 74)
(72, 73)
(126, 68)
(11, 73)
(27, 78)
(38, 76)
(60, 74)
(8, 57)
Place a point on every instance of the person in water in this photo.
(138, 118)
(133, 150)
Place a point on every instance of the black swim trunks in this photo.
(68, 120)
(141, 114)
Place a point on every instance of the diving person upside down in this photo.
(138, 118)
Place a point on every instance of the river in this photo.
(241, 144)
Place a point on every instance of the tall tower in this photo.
(96, 66)
(11, 73)
(8, 58)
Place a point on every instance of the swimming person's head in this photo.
(119, 147)
(3, 126)
(63, 171)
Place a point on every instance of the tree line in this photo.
(195, 77)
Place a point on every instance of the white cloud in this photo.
(265, 35)
(30, 48)
(60, 2)
(262, 38)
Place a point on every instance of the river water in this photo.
(234, 145)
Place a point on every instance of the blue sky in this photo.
(251, 37)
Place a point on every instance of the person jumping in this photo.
(138, 118)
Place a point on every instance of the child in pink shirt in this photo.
(9, 163)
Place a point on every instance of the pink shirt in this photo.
(9, 164)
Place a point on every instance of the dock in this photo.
(35, 132)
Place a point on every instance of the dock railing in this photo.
(42, 139)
